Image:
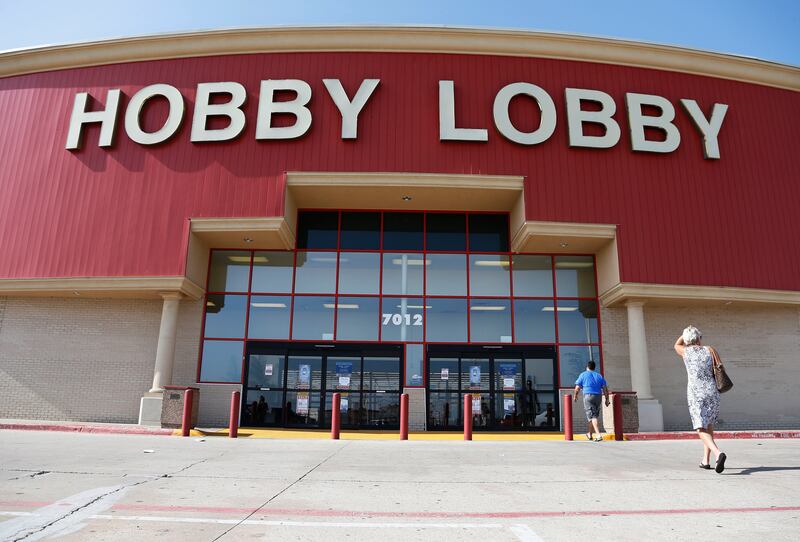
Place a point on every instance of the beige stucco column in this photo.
(651, 416)
(165, 351)
(150, 405)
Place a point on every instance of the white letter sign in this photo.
(547, 122)
(708, 129)
(350, 110)
(232, 109)
(447, 118)
(297, 107)
(663, 122)
(576, 117)
(173, 122)
(107, 119)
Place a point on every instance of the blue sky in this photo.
(767, 29)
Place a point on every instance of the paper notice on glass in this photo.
(304, 376)
(343, 403)
(344, 381)
(268, 369)
(475, 375)
(445, 373)
(302, 404)
(508, 383)
(476, 404)
(508, 405)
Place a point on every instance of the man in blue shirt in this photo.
(592, 384)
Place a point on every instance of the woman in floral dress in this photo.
(701, 392)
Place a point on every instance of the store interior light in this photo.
(399, 261)
(574, 265)
(239, 259)
(268, 305)
(260, 259)
(492, 263)
(210, 304)
(341, 305)
(560, 309)
(320, 259)
(415, 307)
(488, 308)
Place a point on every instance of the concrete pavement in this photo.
(116, 487)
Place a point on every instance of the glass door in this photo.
(263, 396)
(303, 390)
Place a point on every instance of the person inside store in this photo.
(593, 384)
(529, 403)
(701, 392)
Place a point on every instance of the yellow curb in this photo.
(323, 434)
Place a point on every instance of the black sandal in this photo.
(721, 462)
(706, 466)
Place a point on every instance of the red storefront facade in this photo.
(136, 220)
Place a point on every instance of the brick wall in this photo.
(759, 344)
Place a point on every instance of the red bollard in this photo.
(336, 415)
(616, 403)
(404, 416)
(568, 416)
(186, 422)
(233, 424)
(468, 417)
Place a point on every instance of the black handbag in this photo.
(723, 381)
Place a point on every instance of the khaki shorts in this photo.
(591, 404)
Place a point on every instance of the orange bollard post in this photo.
(336, 415)
(568, 417)
(468, 417)
(186, 422)
(233, 423)
(404, 416)
(616, 403)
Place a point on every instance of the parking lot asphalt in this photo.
(75, 486)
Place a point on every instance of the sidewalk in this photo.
(322, 434)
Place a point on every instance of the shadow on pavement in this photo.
(751, 470)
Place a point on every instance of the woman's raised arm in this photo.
(679, 348)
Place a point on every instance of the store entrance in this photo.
(292, 385)
(513, 388)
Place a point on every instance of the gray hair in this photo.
(691, 335)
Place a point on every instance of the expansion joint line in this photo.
(282, 491)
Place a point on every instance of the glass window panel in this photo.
(533, 275)
(402, 231)
(359, 272)
(272, 272)
(304, 372)
(360, 231)
(444, 409)
(357, 319)
(475, 373)
(313, 318)
(318, 229)
(446, 274)
(225, 316)
(577, 321)
(263, 408)
(302, 408)
(381, 410)
(446, 320)
(489, 274)
(343, 373)
(527, 406)
(381, 373)
(265, 371)
(316, 273)
(573, 360)
(403, 273)
(222, 361)
(511, 411)
(269, 317)
(443, 374)
(575, 276)
(415, 364)
(546, 411)
(482, 417)
(350, 408)
(534, 321)
(446, 231)
(539, 373)
(488, 233)
(490, 320)
(230, 271)
(402, 319)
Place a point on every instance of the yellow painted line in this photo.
(323, 434)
